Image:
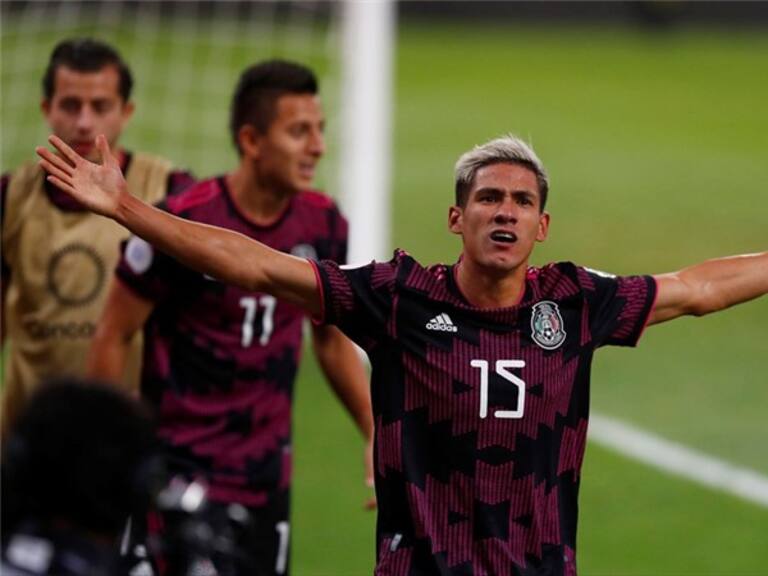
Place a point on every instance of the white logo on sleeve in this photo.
(139, 255)
(442, 323)
(306, 251)
(600, 273)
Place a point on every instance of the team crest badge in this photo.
(547, 325)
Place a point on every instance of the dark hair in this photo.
(86, 55)
(79, 454)
(259, 88)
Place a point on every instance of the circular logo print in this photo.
(76, 275)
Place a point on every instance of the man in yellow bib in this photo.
(57, 257)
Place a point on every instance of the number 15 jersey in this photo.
(481, 414)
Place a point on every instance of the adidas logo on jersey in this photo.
(442, 323)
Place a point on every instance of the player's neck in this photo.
(260, 204)
(486, 289)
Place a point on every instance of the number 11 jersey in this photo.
(219, 362)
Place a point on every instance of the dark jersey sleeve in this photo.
(334, 246)
(619, 306)
(359, 300)
(178, 181)
(150, 273)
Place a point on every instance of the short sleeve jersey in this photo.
(481, 414)
(219, 361)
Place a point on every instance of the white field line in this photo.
(678, 460)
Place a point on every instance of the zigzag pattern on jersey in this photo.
(468, 494)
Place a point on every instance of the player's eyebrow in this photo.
(489, 190)
(500, 191)
(531, 195)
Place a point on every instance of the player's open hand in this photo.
(97, 187)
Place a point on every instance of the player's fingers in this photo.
(370, 504)
(107, 158)
(59, 183)
(54, 160)
(54, 170)
(64, 149)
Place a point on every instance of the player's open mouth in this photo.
(504, 236)
(82, 148)
(307, 170)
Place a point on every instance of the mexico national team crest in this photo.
(547, 325)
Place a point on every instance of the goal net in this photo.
(185, 57)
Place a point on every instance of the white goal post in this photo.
(368, 36)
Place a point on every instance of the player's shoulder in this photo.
(400, 259)
(16, 187)
(316, 200)
(197, 195)
(27, 171)
(174, 178)
(146, 159)
(553, 270)
(414, 274)
(565, 276)
(557, 279)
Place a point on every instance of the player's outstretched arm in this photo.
(343, 367)
(710, 286)
(228, 256)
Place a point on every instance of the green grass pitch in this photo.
(656, 146)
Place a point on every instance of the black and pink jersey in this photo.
(220, 362)
(481, 414)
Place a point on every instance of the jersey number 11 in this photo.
(251, 305)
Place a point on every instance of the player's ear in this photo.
(45, 106)
(128, 109)
(541, 233)
(455, 215)
(249, 140)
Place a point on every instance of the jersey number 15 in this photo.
(502, 370)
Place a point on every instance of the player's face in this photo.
(287, 155)
(84, 105)
(502, 220)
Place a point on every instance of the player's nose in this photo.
(316, 144)
(86, 119)
(506, 212)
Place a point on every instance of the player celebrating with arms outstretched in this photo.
(480, 380)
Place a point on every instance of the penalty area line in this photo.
(678, 460)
